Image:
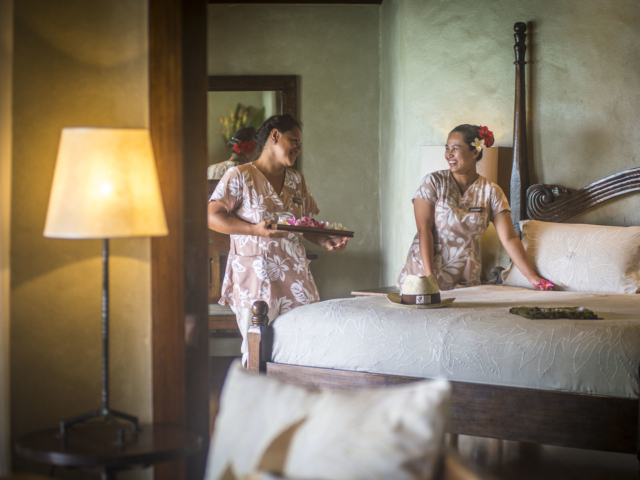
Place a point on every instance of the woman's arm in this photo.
(335, 244)
(424, 213)
(219, 220)
(513, 246)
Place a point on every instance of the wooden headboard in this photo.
(551, 203)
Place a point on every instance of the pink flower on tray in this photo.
(309, 222)
(545, 285)
(303, 222)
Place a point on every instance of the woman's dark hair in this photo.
(283, 123)
(245, 134)
(469, 134)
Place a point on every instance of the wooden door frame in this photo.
(178, 124)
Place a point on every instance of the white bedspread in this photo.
(474, 340)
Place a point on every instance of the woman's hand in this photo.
(539, 283)
(535, 280)
(335, 244)
(262, 230)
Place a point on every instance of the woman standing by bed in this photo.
(453, 209)
(266, 264)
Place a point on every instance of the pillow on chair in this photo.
(272, 426)
(581, 258)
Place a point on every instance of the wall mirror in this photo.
(226, 110)
(259, 95)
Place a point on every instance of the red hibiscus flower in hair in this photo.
(244, 147)
(486, 135)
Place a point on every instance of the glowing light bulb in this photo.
(106, 189)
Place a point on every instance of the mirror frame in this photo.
(285, 86)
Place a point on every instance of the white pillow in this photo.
(395, 432)
(581, 258)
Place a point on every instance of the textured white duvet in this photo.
(475, 340)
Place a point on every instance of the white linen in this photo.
(474, 340)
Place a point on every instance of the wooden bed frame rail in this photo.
(511, 413)
(482, 410)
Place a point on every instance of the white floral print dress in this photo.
(459, 222)
(217, 170)
(275, 270)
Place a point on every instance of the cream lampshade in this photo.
(105, 185)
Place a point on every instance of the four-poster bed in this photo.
(592, 420)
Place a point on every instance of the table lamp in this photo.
(105, 185)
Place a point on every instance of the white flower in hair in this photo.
(479, 144)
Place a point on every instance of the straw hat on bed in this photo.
(420, 292)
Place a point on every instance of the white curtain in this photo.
(6, 73)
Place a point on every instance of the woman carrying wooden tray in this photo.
(453, 209)
(264, 263)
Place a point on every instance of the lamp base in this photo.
(110, 416)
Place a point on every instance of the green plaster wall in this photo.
(446, 63)
(334, 51)
(77, 63)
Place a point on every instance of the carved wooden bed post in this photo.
(259, 337)
(520, 169)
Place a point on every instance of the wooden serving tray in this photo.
(324, 231)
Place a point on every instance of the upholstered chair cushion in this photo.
(267, 425)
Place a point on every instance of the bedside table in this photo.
(93, 447)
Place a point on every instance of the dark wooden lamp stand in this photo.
(109, 415)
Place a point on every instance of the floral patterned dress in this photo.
(217, 170)
(459, 222)
(275, 270)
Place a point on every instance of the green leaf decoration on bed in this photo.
(537, 313)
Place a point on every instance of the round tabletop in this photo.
(94, 445)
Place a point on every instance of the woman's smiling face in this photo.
(287, 147)
(459, 155)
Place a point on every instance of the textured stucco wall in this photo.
(452, 63)
(334, 50)
(6, 65)
(77, 63)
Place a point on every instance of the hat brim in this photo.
(396, 299)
